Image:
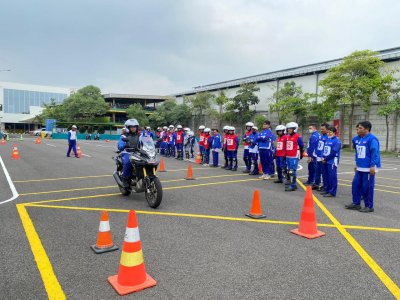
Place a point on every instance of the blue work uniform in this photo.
(264, 142)
(331, 156)
(253, 151)
(216, 146)
(312, 154)
(367, 157)
(319, 168)
(72, 135)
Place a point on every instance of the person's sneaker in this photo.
(366, 210)
(271, 176)
(328, 195)
(267, 177)
(261, 177)
(290, 189)
(323, 192)
(353, 206)
(278, 181)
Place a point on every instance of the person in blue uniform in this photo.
(319, 152)
(330, 160)
(253, 150)
(216, 147)
(311, 153)
(368, 161)
(264, 141)
(72, 137)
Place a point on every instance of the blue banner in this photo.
(50, 125)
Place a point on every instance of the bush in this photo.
(82, 129)
(101, 130)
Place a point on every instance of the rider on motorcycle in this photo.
(131, 140)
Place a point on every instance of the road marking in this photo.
(86, 155)
(51, 284)
(354, 227)
(379, 190)
(393, 187)
(51, 145)
(386, 280)
(10, 183)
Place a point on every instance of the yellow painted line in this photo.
(387, 178)
(172, 214)
(388, 186)
(386, 280)
(379, 190)
(51, 284)
(74, 198)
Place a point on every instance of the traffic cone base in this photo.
(124, 290)
(103, 250)
(256, 216)
(309, 236)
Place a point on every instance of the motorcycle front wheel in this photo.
(154, 193)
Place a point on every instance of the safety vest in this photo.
(246, 143)
(179, 137)
(231, 142)
(281, 146)
(292, 146)
(206, 141)
(201, 139)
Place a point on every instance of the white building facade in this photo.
(21, 103)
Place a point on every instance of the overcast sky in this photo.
(164, 47)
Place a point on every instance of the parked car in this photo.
(39, 132)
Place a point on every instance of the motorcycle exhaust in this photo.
(117, 179)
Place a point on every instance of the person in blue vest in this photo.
(264, 141)
(164, 139)
(216, 147)
(246, 144)
(368, 161)
(253, 150)
(319, 167)
(72, 137)
(147, 132)
(311, 153)
(171, 141)
(330, 160)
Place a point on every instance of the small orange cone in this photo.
(161, 168)
(189, 172)
(15, 153)
(260, 170)
(132, 276)
(78, 151)
(198, 158)
(3, 142)
(38, 141)
(255, 211)
(104, 239)
(308, 221)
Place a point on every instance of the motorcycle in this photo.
(144, 169)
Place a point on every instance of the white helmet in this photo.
(191, 133)
(171, 126)
(231, 128)
(292, 125)
(165, 127)
(179, 127)
(131, 122)
(74, 126)
(186, 129)
(148, 127)
(249, 124)
(254, 128)
(207, 130)
(280, 128)
(226, 127)
(202, 127)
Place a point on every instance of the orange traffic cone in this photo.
(189, 175)
(161, 168)
(3, 142)
(38, 141)
(308, 221)
(15, 153)
(260, 170)
(255, 211)
(132, 276)
(104, 239)
(198, 158)
(78, 151)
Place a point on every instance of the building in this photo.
(21, 103)
(308, 76)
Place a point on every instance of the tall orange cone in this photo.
(255, 211)
(132, 276)
(189, 175)
(198, 158)
(161, 168)
(38, 141)
(3, 142)
(78, 151)
(308, 221)
(104, 240)
(260, 170)
(15, 153)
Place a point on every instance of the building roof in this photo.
(386, 55)
(136, 97)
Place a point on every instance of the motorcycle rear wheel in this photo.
(155, 196)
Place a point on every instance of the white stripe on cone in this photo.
(104, 226)
(132, 235)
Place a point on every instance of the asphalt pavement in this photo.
(198, 244)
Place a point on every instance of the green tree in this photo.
(84, 105)
(136, 111)
(240, 104)
(221, 100)
(200, 105)
(353, 82)
(52, 110)
(389, 99)
(259, 120)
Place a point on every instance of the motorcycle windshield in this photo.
(148, 145)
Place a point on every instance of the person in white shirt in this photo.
(72, 137)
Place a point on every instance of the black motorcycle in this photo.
(144, 173)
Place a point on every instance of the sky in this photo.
(166, 47)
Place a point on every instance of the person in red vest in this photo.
(179, 142)
(207, 146)
(232, 145)
(246, 144)
(201, 142)
(226, 127)
(294, 152)
(280, 152)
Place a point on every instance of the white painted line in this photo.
(51, 145)
(10, 183)
(86, 155)
(352, 172)
(105, 146)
